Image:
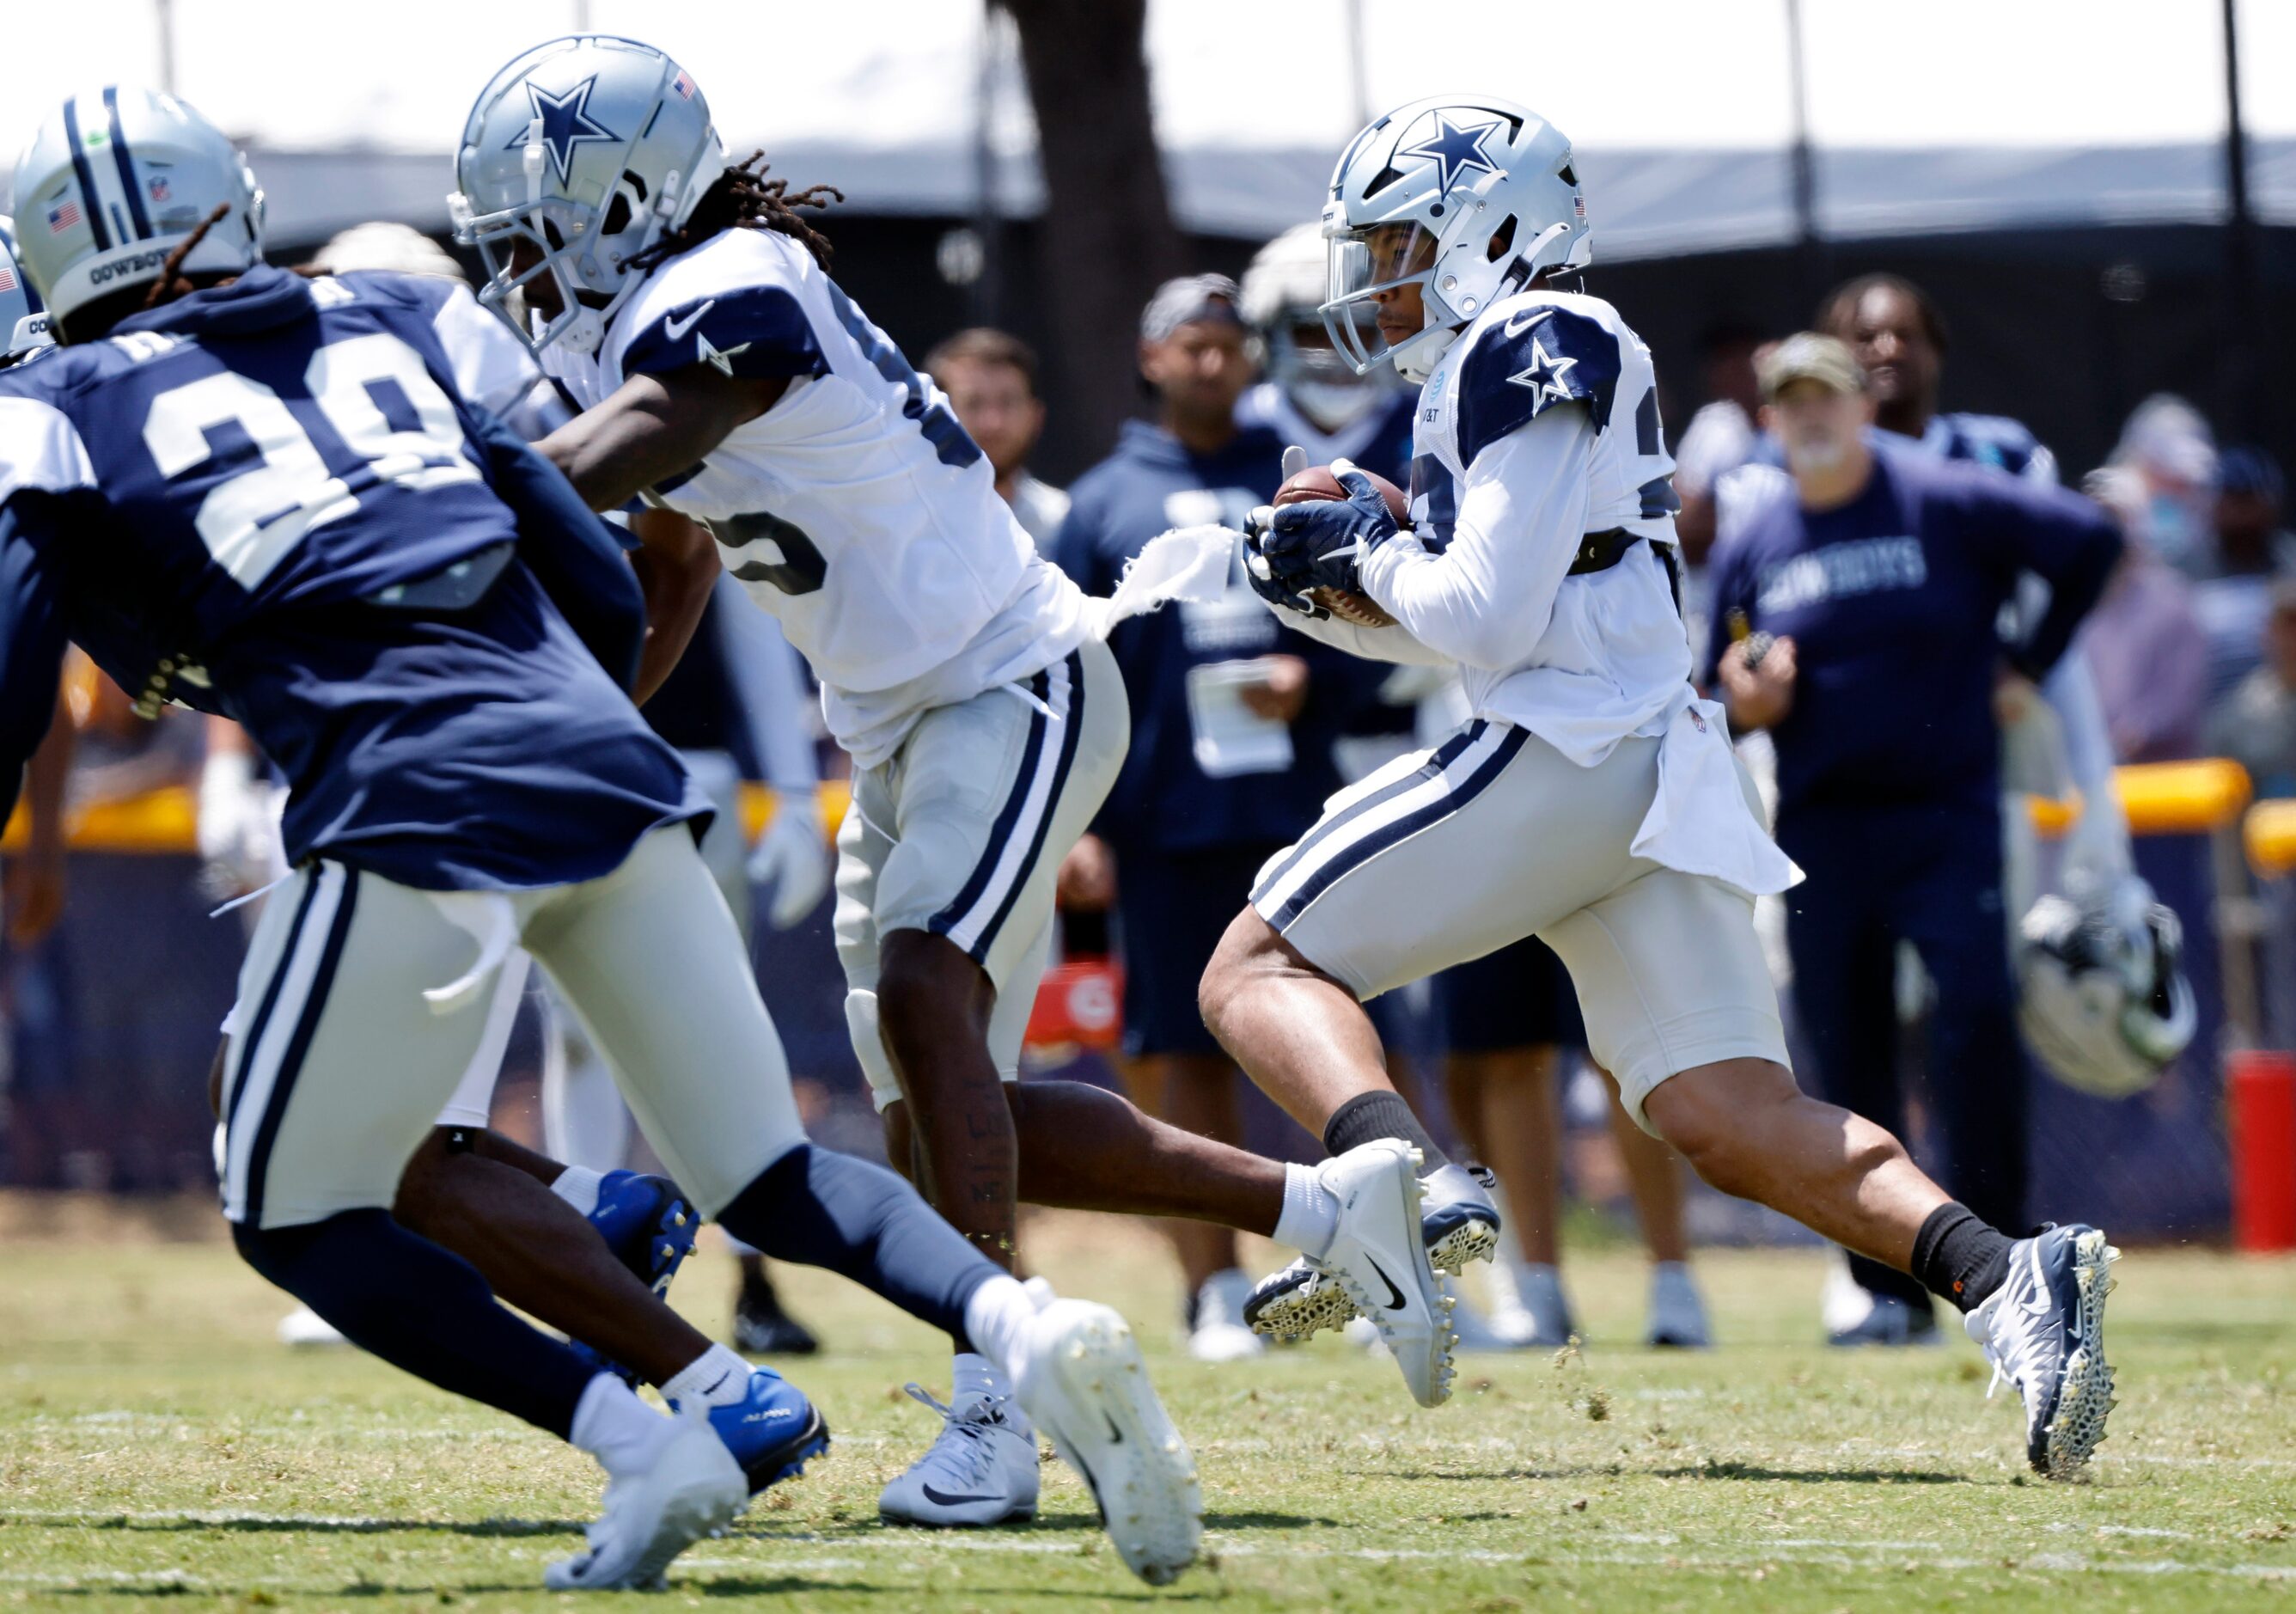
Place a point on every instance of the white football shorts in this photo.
(961, 832)
(1493, 835)
(337, 1065)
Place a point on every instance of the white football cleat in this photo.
(982, 1471)
(1217, 1332)
(1378, 1256)
(1082, 1382)
(694, 1488)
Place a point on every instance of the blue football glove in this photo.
(1321, 543)
(1265, 583)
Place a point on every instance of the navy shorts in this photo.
(1520, 996)
(1171, 910)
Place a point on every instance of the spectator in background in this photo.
(1233, 721)
(2251, 552)
(990, 377)
(1899, 338)
(2168, 447)
(1857, 606)
(2144, 642)
(2256, 725)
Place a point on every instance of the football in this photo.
(1317, 482)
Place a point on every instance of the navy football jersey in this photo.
(267, 500)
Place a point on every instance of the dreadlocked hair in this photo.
(742, 198)
(171, 285)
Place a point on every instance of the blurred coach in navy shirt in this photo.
(1855, 611)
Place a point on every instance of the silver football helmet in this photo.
(1467, 196)
(113, 181)
(21, 314)
(2102, 994)
(1283, 299)
(583, 151)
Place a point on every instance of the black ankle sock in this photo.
(1960, 1256)
(1381, 1115)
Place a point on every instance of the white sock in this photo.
(718, 1376)
(622, 1432)
(1311, 1216)
(996, 1320)
(578, 1186)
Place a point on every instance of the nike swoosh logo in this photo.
(676, 328)
(1517, 324)
(1115, 1435)
(2038, 1306)
(718, 1383)
(943, 1499)
(1394, 1295)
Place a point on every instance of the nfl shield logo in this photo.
(159, 188)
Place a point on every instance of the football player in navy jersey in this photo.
(261, 495)
(1592, 799)
(685, 305)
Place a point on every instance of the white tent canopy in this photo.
(1924, 114)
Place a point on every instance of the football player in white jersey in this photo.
(686, 307)
(1592, 799)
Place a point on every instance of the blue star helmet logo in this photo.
(566, 123)
(1455, 149)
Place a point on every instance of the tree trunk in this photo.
(1107, 239)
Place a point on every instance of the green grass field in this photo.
(156, 1443)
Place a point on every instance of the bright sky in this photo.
(1269, 73)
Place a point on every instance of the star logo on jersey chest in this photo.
(1544, 376)
(566, 123)
(1455, 149)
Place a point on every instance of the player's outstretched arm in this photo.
(653, 429)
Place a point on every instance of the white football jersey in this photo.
(856, 509)
(1508, 491)
(1598, 655)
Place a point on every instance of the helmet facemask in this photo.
(576, 157)
(1468, 199)
(588, 267)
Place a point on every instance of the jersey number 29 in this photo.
(254, 515)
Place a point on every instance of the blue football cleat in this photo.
(650, 1228)
(1458, 1217)
(2043, 1331)
(772, 1432)
(648, 1224)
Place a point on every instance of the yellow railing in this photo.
(2161, 799)
(2270, 832)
